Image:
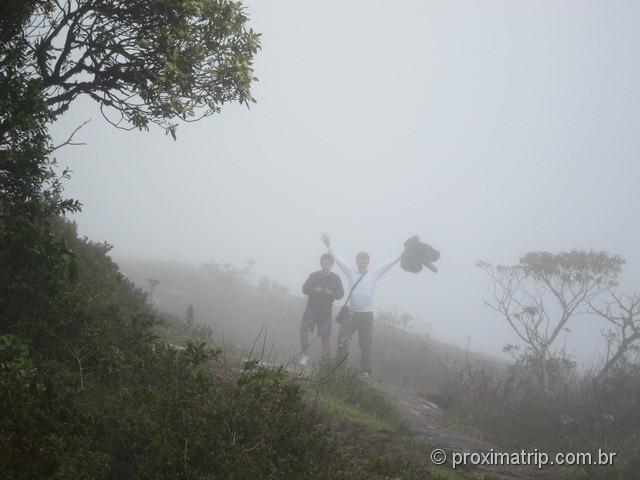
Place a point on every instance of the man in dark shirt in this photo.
(322, 288)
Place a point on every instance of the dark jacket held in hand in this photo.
(416, 254)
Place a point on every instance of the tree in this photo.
(33, 261)
(73, 330)
(623, 313)
(521, 294)
(13, 15)
(149, 61)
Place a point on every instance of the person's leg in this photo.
(365, 339)
(307, 325)
(344, 339)
(324, 332)
(326, 347)
(304, 339)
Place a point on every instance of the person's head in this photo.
(362, 261)
(326, 262)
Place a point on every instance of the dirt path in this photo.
(425, 421)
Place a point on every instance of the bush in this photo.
(43, 434)
(86, 391)
(577, 414)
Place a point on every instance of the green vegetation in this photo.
(95, 395)
(145, 62)
(343, 388)
(86, 388)
(96, 383)
(580, 415)
(370, 423)
(485, 397)
(236, 305)
(542, 398)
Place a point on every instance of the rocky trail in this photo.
(425, 421)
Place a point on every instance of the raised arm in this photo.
(346, 269)
(384, 268)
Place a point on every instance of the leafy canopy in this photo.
(148, 61)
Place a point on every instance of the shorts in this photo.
(312, 320)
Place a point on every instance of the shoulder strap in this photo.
(346, 302)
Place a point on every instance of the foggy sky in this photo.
(488, 128)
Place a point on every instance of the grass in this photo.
(365, 423)
(355, 414)
(345, 385)
(375, 429)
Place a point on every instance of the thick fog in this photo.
(490, 129)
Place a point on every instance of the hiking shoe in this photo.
(304, 360)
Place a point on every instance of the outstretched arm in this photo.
(384, 268)
(336, 256)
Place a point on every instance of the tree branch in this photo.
(69, 140)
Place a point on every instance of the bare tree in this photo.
(540, 294)
(623, 313)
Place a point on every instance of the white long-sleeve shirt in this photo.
(362, 297)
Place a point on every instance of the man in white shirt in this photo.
(360, 303)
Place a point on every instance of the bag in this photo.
(344, 315)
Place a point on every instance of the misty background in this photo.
(489, 129)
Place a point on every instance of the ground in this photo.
(426, 421)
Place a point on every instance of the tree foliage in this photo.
(76, 345)
(149, 61)
(539, 295)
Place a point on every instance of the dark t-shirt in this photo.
(321, 303)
